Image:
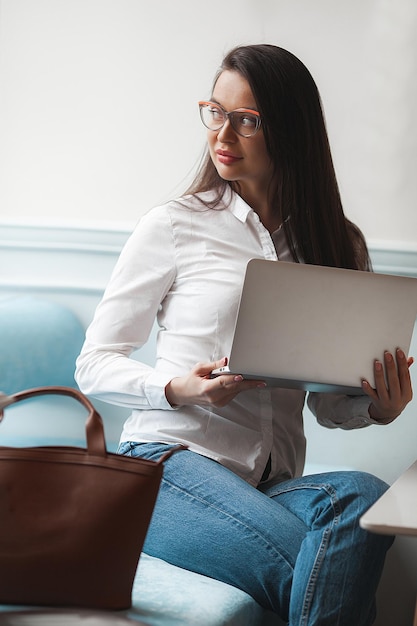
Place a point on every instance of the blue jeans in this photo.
(296, 547)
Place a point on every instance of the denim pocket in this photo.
(152, 450)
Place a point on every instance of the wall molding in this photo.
(67, 235)
(61, 258)
(67, 260)
(394, 257)
(69, 263)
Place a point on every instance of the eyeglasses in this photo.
(245, 122)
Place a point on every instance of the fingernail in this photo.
(388, 356)
(238, 378)
(261, 385)
(378, 366)
(400, 353)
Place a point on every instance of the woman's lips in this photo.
(227, 158)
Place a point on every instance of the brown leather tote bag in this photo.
(72, 520)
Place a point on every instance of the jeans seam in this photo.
(321, 551)
(309, 592)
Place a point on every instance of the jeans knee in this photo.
(370, 487)
(356, 491)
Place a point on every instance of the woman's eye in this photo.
(215, 113)
(248, 121)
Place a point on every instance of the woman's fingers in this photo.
(198, 387)
(393, 389)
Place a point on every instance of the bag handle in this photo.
(96, 443)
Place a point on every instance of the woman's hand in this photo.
(393, 389)
(198, 388)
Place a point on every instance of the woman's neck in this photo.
(271, 221)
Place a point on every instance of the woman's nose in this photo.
(226, 132)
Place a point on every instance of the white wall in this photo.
(98, 116)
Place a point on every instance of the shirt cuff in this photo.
(155, 391)
(361, 415)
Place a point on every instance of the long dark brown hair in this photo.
(304, 186)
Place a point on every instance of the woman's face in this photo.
(243, 160)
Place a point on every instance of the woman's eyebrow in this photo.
(212, 99)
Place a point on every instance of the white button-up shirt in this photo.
(184, 264)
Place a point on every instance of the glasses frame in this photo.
(229, 116)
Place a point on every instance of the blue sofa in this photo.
(40, 341)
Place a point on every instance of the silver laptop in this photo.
(319, 328)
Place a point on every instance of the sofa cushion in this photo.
(40, 341)
(166, 595)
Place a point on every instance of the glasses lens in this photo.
(212, 116)
(246, 124)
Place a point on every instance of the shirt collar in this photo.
(230, 201)
(240, 208)
(236, 205)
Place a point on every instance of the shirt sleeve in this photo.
(124, 319)
(340, 411)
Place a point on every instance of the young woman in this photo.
(235, 506)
